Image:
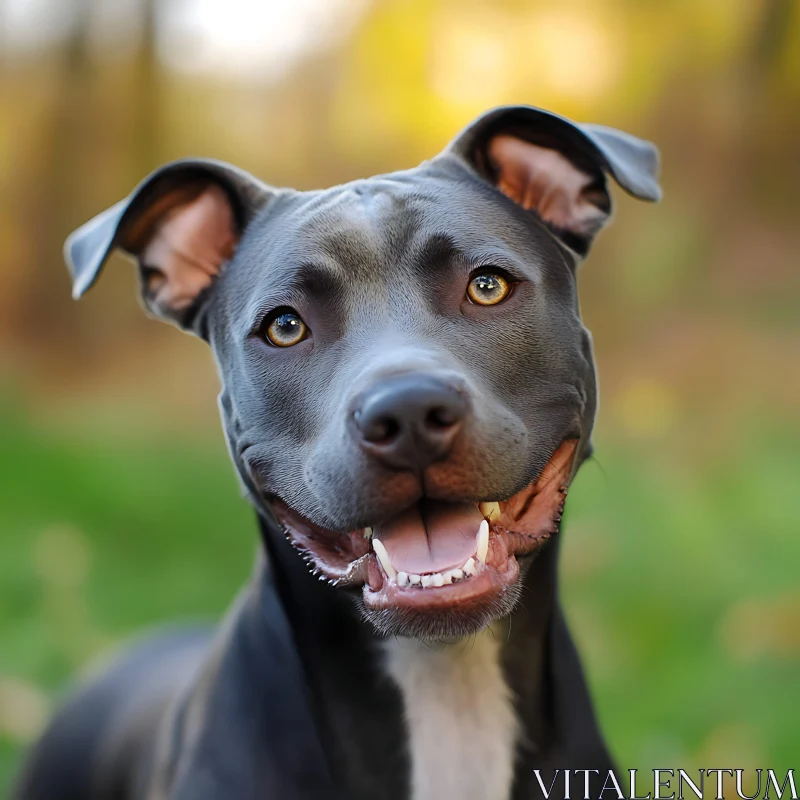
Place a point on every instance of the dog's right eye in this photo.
(284, 327)
(488, 288)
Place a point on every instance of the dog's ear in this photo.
(558, 168)
(181, 224)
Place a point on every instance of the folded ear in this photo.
(557, 168)
(181, 224)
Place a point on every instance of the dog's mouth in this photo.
(436, 556)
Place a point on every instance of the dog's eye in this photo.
(488, 289)
(285, 328)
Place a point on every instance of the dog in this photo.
(407, 393)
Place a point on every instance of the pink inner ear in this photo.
(547, 182)
(188, 247)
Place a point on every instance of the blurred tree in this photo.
(146, 96)
(761, 62)
(52, 189)
(74, 128)
(773, 34)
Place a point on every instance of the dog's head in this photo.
(407, 385)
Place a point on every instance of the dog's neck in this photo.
(380, 704)
(448, 706)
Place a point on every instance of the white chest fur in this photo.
(460, 716)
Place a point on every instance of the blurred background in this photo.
(118, 506)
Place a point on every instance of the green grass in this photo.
(689, 618)
(680, 579)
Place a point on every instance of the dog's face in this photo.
(407, 385)
(404, 355)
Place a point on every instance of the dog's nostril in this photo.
(442, 417)
(378, 430)
(385, 430)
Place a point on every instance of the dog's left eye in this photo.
(488, 289)
(285, 328)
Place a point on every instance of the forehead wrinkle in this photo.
(427, 250)
(369, 219)
(350, 248)
(322, 277)
(361, 229)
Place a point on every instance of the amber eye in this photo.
(488, 289)
(285, 329)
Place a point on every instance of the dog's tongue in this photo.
(431, 536)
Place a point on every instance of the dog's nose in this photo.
(409, 421)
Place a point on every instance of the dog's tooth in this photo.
(455, 574)
(383, 557)
(427, 581)
(470, 567)
(402, 579)
(367, 532)
(489, 510)
(438, 579)
(415, 580)
(447, 577)
(482, 549)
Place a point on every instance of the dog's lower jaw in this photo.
(439, 569)
(448, 623)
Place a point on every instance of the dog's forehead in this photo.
(376, 216)
(372, 231)
(375, 219)
(359, 222)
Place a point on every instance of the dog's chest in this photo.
(460, 717)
